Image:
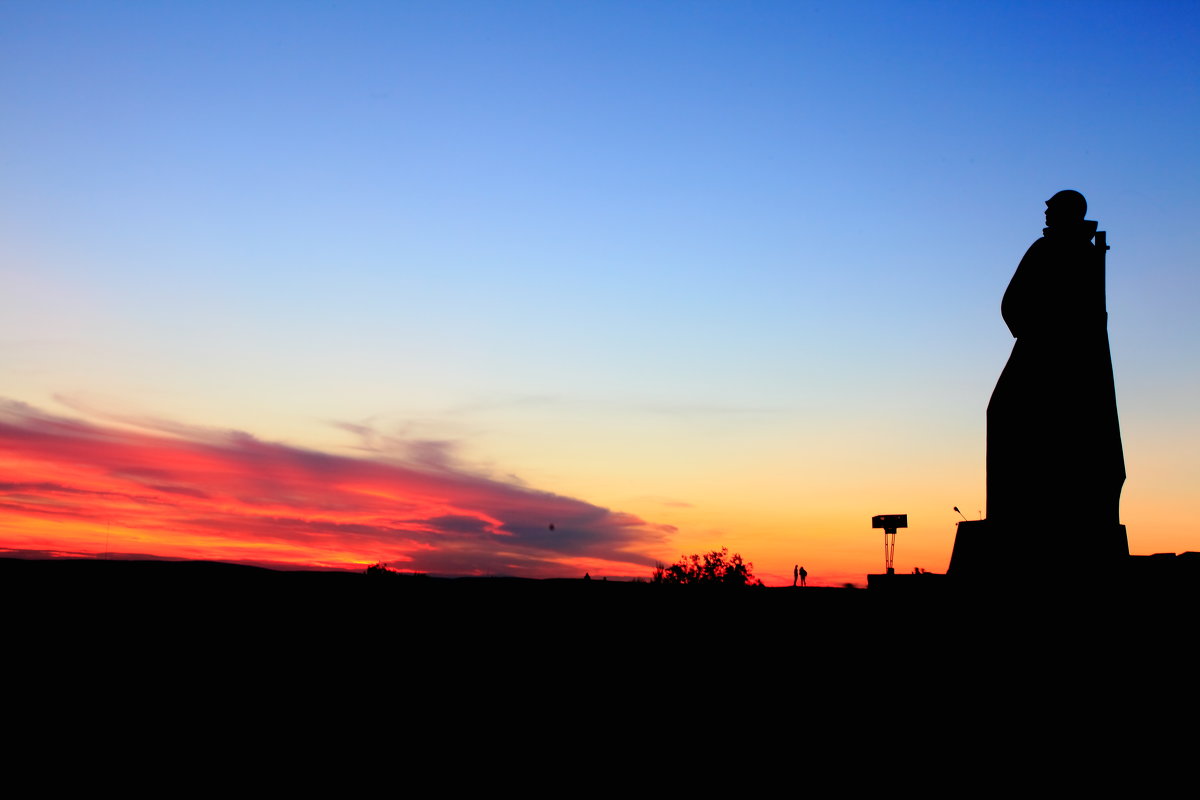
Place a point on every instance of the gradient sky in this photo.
(317, 283)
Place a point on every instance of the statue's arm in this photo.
(1019, 306)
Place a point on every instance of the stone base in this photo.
(907, 582)
(987, 551)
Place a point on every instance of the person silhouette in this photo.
(795, 574)
(803, 577)
(1053, 437)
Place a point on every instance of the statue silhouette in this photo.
(1055, 467)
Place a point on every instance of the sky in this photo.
(317, 284)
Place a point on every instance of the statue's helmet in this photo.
(1069, 204)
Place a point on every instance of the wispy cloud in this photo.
(697, 410)
(669, 502)
(149, 485)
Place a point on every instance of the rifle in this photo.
(1102, 249)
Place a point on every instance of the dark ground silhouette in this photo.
(225, 653)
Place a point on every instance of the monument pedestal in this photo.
(988, 551)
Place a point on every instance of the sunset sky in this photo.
(306, 283)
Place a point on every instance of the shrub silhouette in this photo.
(380, 569)
(716, 568)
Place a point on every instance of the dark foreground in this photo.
(232, 659)
(228, 601)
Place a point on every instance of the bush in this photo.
(716, 568)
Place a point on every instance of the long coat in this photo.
(1053, 438)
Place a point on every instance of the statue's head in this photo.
(1065, 208)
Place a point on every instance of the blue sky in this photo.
(615, 249)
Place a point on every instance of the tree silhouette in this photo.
(381, 570)
(716, 568)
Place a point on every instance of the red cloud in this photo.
(175, 491)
